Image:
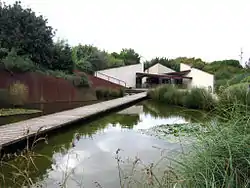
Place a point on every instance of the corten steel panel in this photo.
(42, 88)
(98, 82)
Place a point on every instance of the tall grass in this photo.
(196, 98)
(220, 158)
(109, 93)
(236, 94)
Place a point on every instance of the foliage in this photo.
(219, 158)
(199, 98)
(28, 33)
(129, 56)
(89, 58)
(16, 111)
(77, 80)
(164, 61)
(13, 62)
(61, 57)
(107, 93)
(196, 98)
(237, 94)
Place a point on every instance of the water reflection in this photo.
(91, 157)
(46, 108)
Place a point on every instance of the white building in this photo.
(133, 76)
(125, 76)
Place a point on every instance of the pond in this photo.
(45, 108)
(86, 154)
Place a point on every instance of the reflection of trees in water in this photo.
(66, 139)
(161, 110)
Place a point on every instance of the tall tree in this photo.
(28, 33)
(129, 56)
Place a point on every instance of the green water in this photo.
(86, 154)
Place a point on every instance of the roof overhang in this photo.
(141, 75)
(180, 73)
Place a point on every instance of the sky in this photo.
(207, 29)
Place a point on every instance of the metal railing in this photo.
(109, 78)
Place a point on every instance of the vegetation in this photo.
(220, 158)
(109, 93)
(16, 111)
(196, 98)
(90, 59)
(22, 28)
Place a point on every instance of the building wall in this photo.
(200, 78)
(184, 67)
(158, 69)
(125, 73)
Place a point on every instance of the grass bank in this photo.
(17, 111)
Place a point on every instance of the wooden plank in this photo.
(15, 132)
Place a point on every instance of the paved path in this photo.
(15, 132)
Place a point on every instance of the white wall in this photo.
(184, 67)
(158, 69)
(125, 73)
(200, 78)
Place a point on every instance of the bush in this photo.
(237, 94)
(15, 63)
(158, 93)
(196, 98)
(199, 98)
(107, 93)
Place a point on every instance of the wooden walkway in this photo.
(15, 132)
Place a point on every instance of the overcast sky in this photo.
(209, 29)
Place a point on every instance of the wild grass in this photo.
(220, 158)
(109, 93)
(17, 111)
(196, 98)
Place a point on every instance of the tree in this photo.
(62, 57)
(28, 33)
(172, 64)
(89, 59)
(129, 56)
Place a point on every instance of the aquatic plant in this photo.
(196, 98)
(109, 93)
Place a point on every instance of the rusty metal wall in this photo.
(42, 88)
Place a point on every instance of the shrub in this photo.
(158, 93)
(13, 62)
(199, 98)
(106, 93)
(237, 94)
(77, 80)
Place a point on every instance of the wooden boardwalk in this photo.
(15, 132)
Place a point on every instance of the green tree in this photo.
(62, 57)
(28, 33)
(164, 61)
(129, 56)
(88, 58)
